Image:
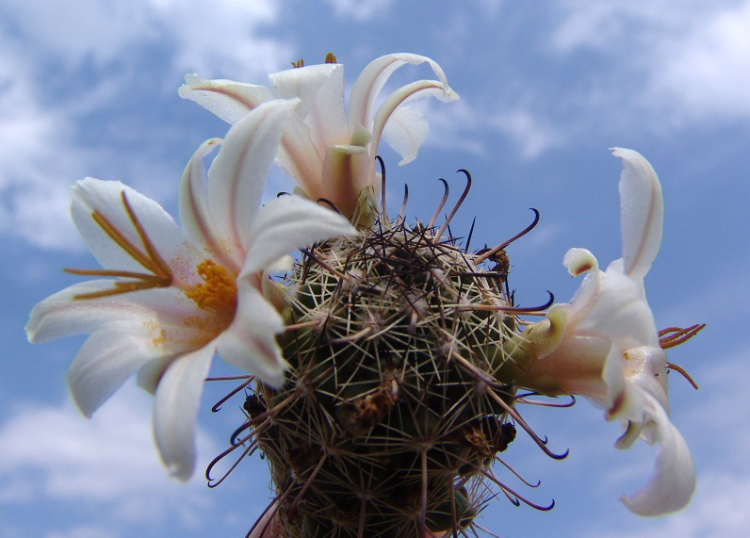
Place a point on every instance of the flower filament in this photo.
(159, 276)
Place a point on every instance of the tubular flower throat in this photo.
(331, 154)
(170, 299)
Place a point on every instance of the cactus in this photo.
(394, 407)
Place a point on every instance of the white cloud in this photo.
(64, 64)
(32, 163)
(462, 126)
(708, 68)
(212, 36)
(360, 10)
(83, 531)
(108, 463)
(691, 58)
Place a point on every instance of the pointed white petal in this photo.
(149, 376)
(646, 371)
(286, 224)
(405, 131)
(621, 312)
(673, 482)
(61, 315)
(321, 91)
(194, 212)
(301, 159)
(176, 408)
(238, 175)
(105, 361)
(106, 198)
(642, 213)
(250, 342)
(229, 100)
(375, 75)
(416, 90)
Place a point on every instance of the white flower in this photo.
(171, 299)
(604, 344)
(327, 155)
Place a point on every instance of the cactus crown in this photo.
(394, 408)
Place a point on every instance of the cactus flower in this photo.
(604, 344)
(170, 298)
(328, 155)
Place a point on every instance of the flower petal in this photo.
(300, 158)
(580, 260)
(320, 89)
(105, 361)
(374, 76)
(405, 131)
(405, 94)
(106, 199)
(230, 101)
(194, 212)
(61, 314)
(286, 224)
(620, 311)
(642, 213)
(176, 409)
(673, 483)
(238, 175)
(250, 342)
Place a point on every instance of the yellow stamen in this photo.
(218, 293)
(160, 275)
(331, 58)
(299, 63)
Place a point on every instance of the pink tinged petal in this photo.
(619, 402)
(576, 366)
(642, 213)
(250, 342)
(417, 128)
(286, 224)
(230, 101)
(105, 361)
(673, 482)
(238, 175)
(344, 176)
(176, 408)
(194, 213)
(375, 75)
(320, 89)
(300, 158)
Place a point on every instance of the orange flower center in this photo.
(217, 293)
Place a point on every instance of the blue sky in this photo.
(88, 88)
